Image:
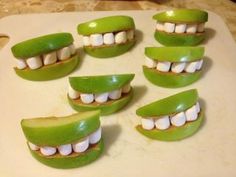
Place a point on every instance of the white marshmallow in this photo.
(101, 97)
(130, 34)
(49, 58)
(191, 28)
(198, 107)
(33, 146)
(191, 67)
(65, 149)
(109, 38)
(63, 53)
(86, 98)
(115, 94)
(201, 27)
(163, 66)
(21, 63)
(199, 65)
(86, 40)
(96, 39)
(120, 37)
(169, 27)
(191, 113)
(147, 124)
(178, 67)
(81, 146)
(150, 63)
(95, 136)
(178, 119)
(160, 26)
(180, 28)
(72, 49)
(73, 94)
(34, 62)
(47, 151)
(126, 88)
(163, 123)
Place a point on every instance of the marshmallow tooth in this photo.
(72, 49)
(191, 67)
(86, 40)
(169, 27)
(160, 26)
(147, 124)
(96, 39)
(109, 38)
(178, 67)
(191, 28)
(130, 34)
(116, 94)
(73, 94)
(47, 151)
(49, 58)
(81, 146)
(180, 28)
(33, 146)
(21, 64)
(163, 66)
(199, 65)
(101, 97)
(178, 119)
(34, 62)
(65, 149)
(120, 37)
(191, 113)
(200, 27)
(86, 98)
(95, 136)
(63, 53)
(163, 123)
(150, 63)
(198, 107)
(126, 88)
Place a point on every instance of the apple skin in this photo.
(41, 45)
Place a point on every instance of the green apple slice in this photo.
(41, 45)
(54, 131)
(106, 24)
(73, 160)
(49, 72)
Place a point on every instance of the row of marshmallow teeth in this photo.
(108, 38)
(177, 120)
(46, 59)
(180, 28)
(67, 149)
(99, 98)
(189, 67)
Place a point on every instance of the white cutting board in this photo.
(210, 152)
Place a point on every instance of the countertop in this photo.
(225, 8)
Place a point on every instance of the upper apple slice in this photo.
(41, 45)
(182, 15)
(106, 24)
(170, 105)
(54, 131)
(100, 84)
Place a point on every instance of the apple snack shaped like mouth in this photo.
(184, 65)
(108, 36)
(180, 103)
(181, 27)
(98, 85)
(45, 58)
(55, 131)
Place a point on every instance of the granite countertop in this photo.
(225, 8)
